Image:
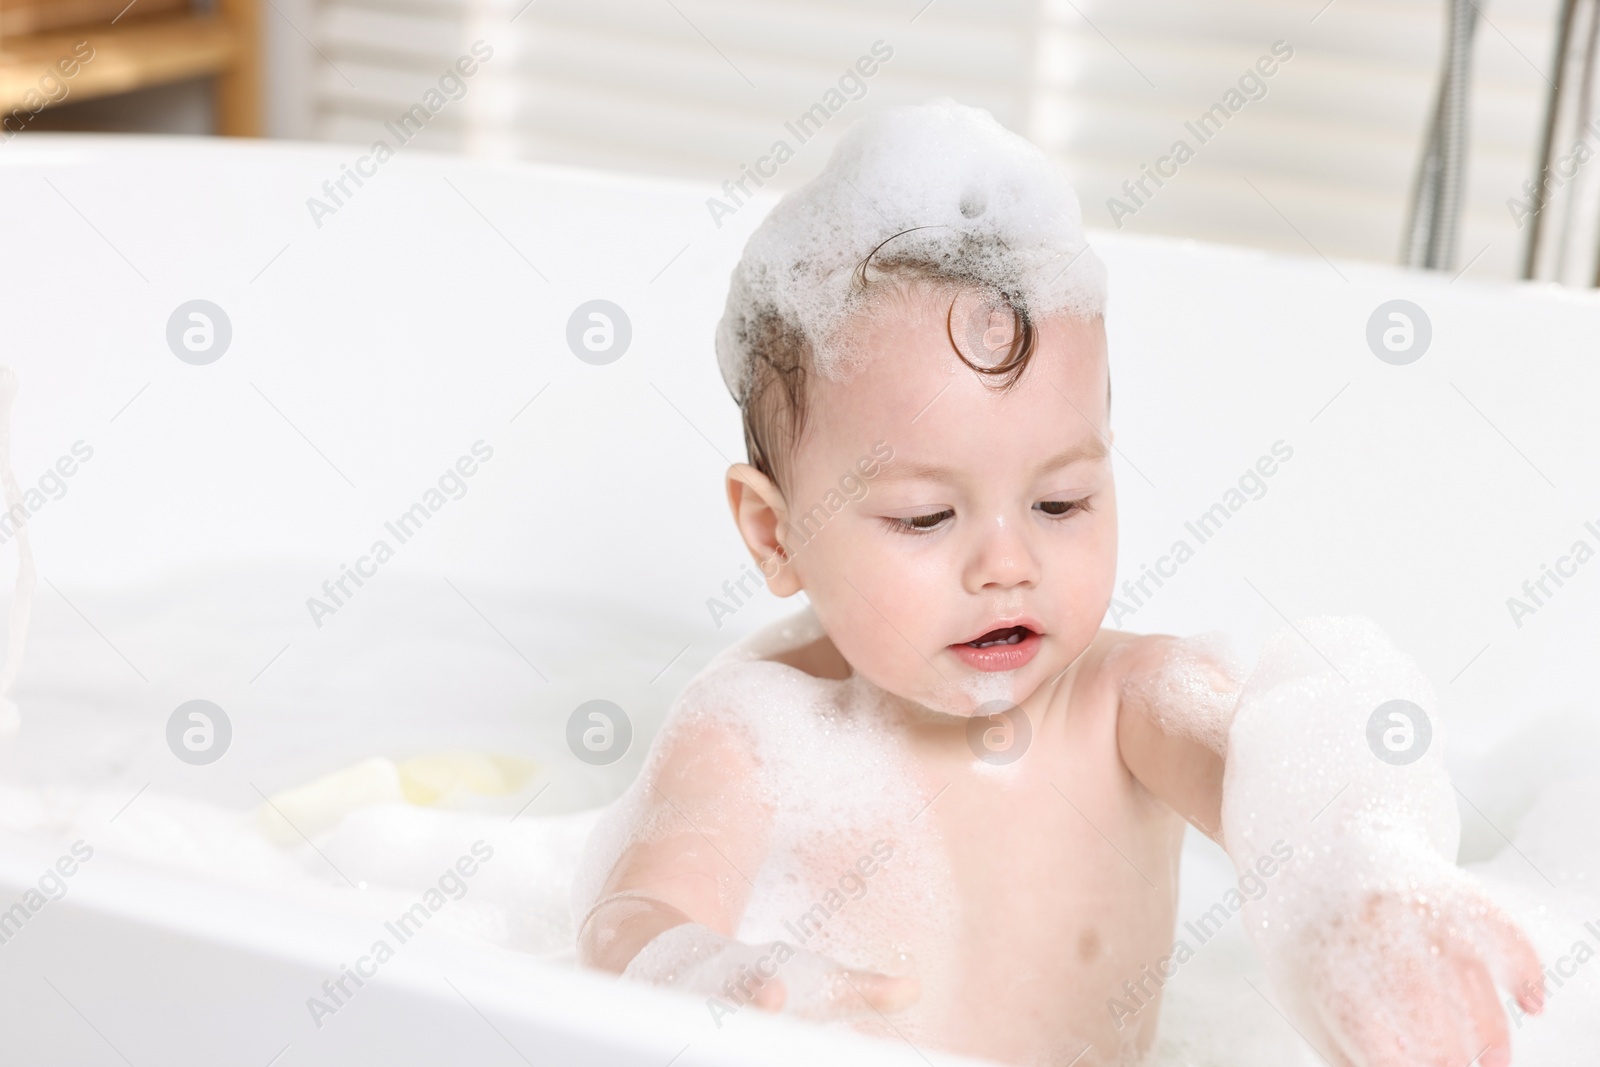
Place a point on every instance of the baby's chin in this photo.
(976, 694)
(973, 694)
(988, 692)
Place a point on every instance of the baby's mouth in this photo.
(1003, 649)
(1006, 635)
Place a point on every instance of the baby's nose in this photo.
(1003, 558)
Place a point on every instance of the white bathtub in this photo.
(430, 313)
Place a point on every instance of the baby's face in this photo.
(980, 561)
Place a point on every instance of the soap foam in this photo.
(988, 689)
(1209, 1015)
(831, 773)
(697, 960)
(1193, 690)
(954, 189)
(1374, 842)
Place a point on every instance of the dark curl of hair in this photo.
(781, 360)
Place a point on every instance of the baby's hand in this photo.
(1408, 978)
(775, 977)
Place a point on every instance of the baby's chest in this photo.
(1034, 852)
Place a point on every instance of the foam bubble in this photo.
(988, 687)
(1371, 899)
(960, 191)
(1193, 690)
(696, 959)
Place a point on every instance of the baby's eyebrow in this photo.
(1094, 448)
(1091, 449)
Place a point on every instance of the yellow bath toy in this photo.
(292, 815)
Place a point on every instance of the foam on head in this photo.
(954, 189)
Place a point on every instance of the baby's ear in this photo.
(760, 512)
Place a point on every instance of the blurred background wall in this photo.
(1319, 157)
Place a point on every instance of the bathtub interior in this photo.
(429, 314)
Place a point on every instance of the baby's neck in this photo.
(818, 658)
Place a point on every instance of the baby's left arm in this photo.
(1385, 950)
(1175, 700)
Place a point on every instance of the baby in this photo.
(942, 804)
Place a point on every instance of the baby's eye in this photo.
(1062, 507)
(919, 523)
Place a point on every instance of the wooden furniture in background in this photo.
(18, 17)
(153, 42)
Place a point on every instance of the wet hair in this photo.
(781, 362)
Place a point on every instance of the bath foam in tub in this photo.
(950, 186)
(522, 900)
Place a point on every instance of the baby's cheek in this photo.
(1085, 581)
(882, 619)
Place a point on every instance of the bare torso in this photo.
(1063, 876)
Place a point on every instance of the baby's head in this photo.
(916, 341)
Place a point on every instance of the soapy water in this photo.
(951, 187)
(523, 899)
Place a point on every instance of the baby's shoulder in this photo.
(1112, 664)
(753, 690)
(765, 662)
(1115, 654)
(748, 685)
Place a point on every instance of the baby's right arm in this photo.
(698, 833)
(671, 904)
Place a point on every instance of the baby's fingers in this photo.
(845, 993)
(1516, 963)
(883, 992)
(771, 995)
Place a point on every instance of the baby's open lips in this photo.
(1001, 648)
(1004, 635)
